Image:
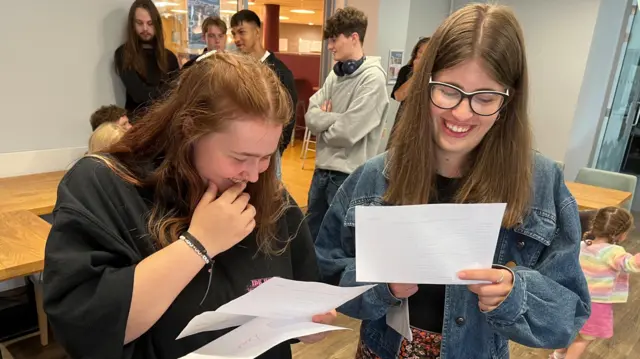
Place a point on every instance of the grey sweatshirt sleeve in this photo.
(317, 120)
(365, 112)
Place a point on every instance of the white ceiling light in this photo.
(179, 11)
(228, 11)
(311, 23)
(165, 3)
(302, 11)
(235, 2)
(284, 18)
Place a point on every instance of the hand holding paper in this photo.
(327, 318)
(491, 295)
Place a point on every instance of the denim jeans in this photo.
(324, 185)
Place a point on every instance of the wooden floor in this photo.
(342, 345)
(296, 179)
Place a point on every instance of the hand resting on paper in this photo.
(492, 294)
(326, 318)
(402, 291)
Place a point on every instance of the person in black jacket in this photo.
(247, 35)
(181, 216)
(142, 62)
(403, 83)
(214, 32)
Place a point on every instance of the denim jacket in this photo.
(549, 301)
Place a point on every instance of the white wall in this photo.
(371, 8)
(395, 14)
(57, 68)
(558, 38)
(424, 19)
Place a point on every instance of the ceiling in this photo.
(287, 17)
(294, 18)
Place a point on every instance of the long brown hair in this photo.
(133, 57)
(500, 168)
(609, 223)
(158, 151)
(416, 48)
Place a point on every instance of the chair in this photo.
(606, 179)
(301, 108)
(306, 141)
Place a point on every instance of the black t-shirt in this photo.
(143, 90)
(99, 235)
(286, 78)
(426, 307)
(403, 76)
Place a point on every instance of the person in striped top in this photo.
(606, 266)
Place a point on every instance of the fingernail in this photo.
(462, 275)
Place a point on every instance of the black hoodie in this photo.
(98, 237)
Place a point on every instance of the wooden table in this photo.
(35, 193)
(593, 197)
(23, 236)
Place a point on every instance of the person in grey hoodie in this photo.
(346, 114)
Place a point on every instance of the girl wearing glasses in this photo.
(465, 138)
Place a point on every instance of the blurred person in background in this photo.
(144, 65)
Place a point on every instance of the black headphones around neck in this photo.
(347, 67)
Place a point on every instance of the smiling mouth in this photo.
(457, 128)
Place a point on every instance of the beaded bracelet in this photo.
(197, 247)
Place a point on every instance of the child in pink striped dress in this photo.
(606, 266)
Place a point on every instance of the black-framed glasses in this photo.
(483, 103)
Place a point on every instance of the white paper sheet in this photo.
(258, 336)
(276, 311)
(425, 244)
(284, 298)
(398, 319)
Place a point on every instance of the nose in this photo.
(251, 173)
(463, 110)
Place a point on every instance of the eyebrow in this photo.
(476, 90)
(248, 154)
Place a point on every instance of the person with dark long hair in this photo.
(179, 217)
(405, 78)
(144, 65)
(465, 137)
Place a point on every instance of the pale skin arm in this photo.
(157, 283)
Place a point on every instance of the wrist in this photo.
(197, 247)
(211, 250)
